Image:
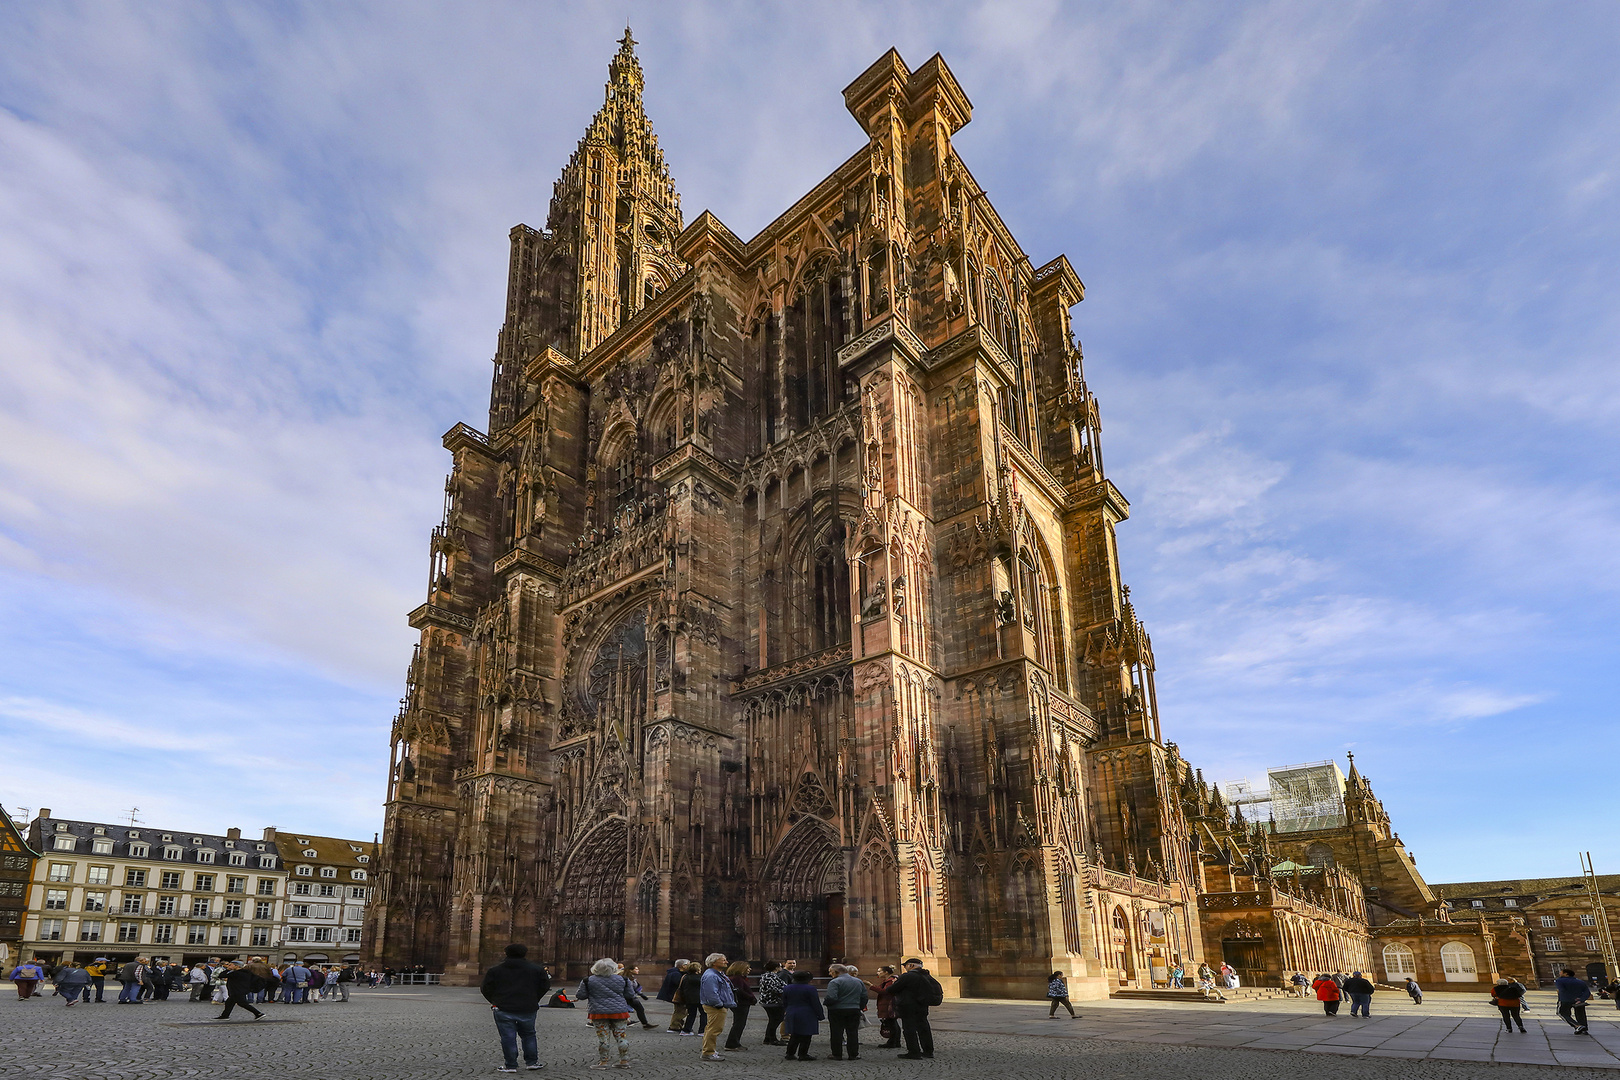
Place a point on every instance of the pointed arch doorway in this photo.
(590, 917)
(804, 896)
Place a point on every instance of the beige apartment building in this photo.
(118, 891)
(325, 892)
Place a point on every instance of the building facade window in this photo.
(206, 855)
(1588, 919)
(134, 879)
(89, 929)
(230, 935)
(64, 843)
(267, 886)
(61, 871)
(297, 911)
(295, 933)
(196, 934)
(236, 885)
(352, 935)
(139, 851)
(260, 937)
(101, 847)
(1548, 920)
(199, 908)
(133, 904)
(173, 854)
(129, 931)
(358, 875)
(95, 901)
(263, 910)
(267, 862)
(205, 882)
(233, 909)
(169, 879)
(163, 933)
(56, 899)
(301, 888)
(1591, 943)
(1510, 902)
(167, 905)
(238, 859)
(97, 875)
(356, 892)
(1552, 944)
(323, 933)
(328, 890)
(50, 929)
(305, 871)
(1457, 960)
(1476, 903)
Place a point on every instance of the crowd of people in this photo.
(715, 998)
(145, 979)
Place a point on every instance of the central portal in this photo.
(804, 897)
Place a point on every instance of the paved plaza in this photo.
(407, 1033)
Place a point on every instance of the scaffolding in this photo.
(1299, 797)
(1307, 797)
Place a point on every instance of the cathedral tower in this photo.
(778, 611)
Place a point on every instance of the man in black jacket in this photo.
(513, 989)
(1361, 992)
(914, 992)
(239, 983)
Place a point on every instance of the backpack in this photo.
(934, 994)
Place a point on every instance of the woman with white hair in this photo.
(607, 996)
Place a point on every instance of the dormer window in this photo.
(61, 828)
(133, 835)
(168, 836)
(259, 846)
(310, 853)
(363, 858)
(196, 839)
(99, 831)
(138, 851)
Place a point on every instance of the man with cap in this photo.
(914, 993)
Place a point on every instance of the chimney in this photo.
(233, 834)
(270, 833)
(44, 812)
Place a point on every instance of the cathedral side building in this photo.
(778, 611)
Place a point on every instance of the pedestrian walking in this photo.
(1508, 996)
(132, 976)
(606, 992)
(1178, 977)
(197, 977)
(264, 989)
(888, 1026)
(915, 992)
(670, 991)
(771, 983)
(1300, 983)
(294, 979)
(513, 989)
(1057, 991)
(1573, 994)
(26, 976)
(845, 1000)
(72, 982)
(98, 978)
(717, 999)
(239, 983)
(1414, 991)
(692, 997)
(637, 994)
(346, 977)
(801, 1016)
(1614, 992)
(1360, 991)
(1327, 992)
(737, 974)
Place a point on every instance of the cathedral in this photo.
(777, 610)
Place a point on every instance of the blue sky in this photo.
(1351, 272)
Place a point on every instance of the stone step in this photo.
(1161, 995)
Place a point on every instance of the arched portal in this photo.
(1124, 960)
(804, 896)
(590, 922)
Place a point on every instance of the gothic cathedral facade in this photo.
(778, 612)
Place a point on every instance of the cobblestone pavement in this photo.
(403, 1034)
